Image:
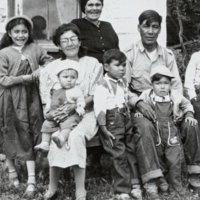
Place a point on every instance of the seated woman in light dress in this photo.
(67, 38)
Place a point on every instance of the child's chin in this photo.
(20, 44)
(162, 94)
(66, 87)
(121, 76)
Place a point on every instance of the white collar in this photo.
(111, 79)
(160, 99)
(19, 48)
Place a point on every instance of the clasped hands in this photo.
(61, 113)
(30, 78)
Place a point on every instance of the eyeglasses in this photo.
(66, 40)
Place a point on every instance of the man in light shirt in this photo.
(192, 83)
(142, 58)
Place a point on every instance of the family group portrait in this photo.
(100, 99)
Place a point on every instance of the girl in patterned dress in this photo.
(21, 114)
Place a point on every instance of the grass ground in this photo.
(98, 184)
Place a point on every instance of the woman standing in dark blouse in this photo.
(98, 36)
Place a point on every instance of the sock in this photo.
(79, 181)
(31, 175)
(11, 169)
(54, 177)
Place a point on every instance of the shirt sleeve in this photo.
(129, 52)
(176, 82)
(190, 76)
(186, 105)
(132, 99)
(43, 57)
(80, 101)
(5, 80)
(114, 35)
(189, 114)
(100, 97)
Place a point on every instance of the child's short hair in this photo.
(113, 54)
(157, 77)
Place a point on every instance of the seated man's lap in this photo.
(142, 127)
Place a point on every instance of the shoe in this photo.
(2, 157)
(81, 198)
(162, 184)
(14, 182)
(194, 180)
(178, 192)
(152, 190)
(50, 195)
(122, 196)
(29, 193)
(136, 192)
(58, 139)
(13, 179)
(42, 146)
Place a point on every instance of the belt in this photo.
(118, 110)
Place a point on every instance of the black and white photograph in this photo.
(99, 99)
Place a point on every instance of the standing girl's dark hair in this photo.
(7, 40)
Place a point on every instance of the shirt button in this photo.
(103, 50)
(98, 30)
(102, 43)
(101, 38)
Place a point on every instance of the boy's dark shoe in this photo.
(136, 192)
(122, 196)
(194, 180)
(152, 190)
(162, 184)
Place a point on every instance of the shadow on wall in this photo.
(39, 25)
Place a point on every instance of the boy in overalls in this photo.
(170, 108)
(110, 105)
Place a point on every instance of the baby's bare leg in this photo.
(44, 145)
(46, 137)
(61, 138)
(65, 134)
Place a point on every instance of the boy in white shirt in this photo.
(111, 108)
